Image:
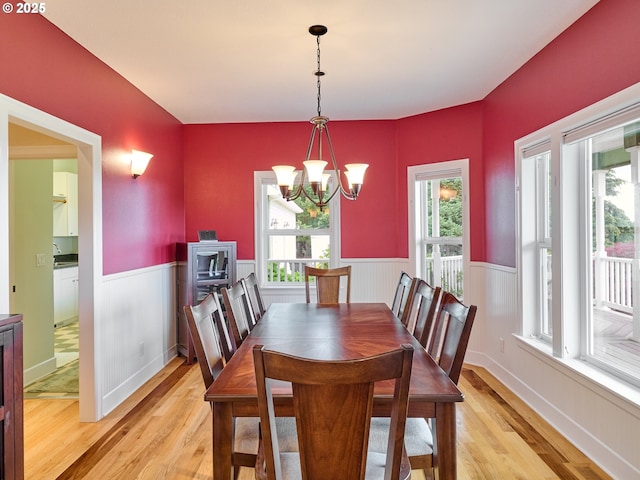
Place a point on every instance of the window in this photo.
(290, 235)
(540, 166)
(577, 201)
(437, 198)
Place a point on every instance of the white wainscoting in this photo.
(138, 334)
(372, 280)
(600, 423)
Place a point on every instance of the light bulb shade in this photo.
(284, 174)
(325, 181)
(315, 169)
(292, 180)
(355, 173)
(139, 162)
(349, 182)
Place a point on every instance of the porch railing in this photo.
(616, 283)
(282, 271)
(450, 273)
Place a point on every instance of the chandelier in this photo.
(314, 168)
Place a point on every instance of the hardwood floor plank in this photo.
(164, 432)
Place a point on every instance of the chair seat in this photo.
(290, 462)
(247, 434)
(418, 440)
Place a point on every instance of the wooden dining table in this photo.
(332, 332)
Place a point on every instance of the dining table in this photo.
(332, 332)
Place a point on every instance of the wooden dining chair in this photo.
(401, 295)
(332, 402)
(204, 321)
(451, 333)
(447, 345)
(327, 283)
(420, 311)
(250, 283)
(238, 310)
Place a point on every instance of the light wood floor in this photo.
(164, 432)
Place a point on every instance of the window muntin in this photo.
(544, 245)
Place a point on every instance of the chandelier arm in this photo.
(337, 189)
(345, 193)
(295, 194)
(311, 140)
(317, 201)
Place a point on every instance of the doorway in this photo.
(438, 225)
(88, 148)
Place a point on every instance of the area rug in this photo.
(61, 383)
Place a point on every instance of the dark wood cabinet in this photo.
(203, 267)
(11, 400)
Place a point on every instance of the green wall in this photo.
(31, 227)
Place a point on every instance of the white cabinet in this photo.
(65, 294)
(65, 205)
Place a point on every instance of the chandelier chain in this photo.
(318, 75)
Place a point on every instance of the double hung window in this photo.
(292, 234)
(579, 256)
(438, 223)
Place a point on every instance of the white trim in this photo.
(89, 154)
(43, 151)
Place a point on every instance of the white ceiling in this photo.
(213, 61)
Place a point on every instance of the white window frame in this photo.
(571, 228)
(418, 173)
(261, 222)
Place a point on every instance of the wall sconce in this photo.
(139, 162)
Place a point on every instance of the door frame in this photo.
(447, 169)
(89, 146)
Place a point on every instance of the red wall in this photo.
(142, 219)
(451, 134)
(201, 176)
(220, 161)
(594, 58)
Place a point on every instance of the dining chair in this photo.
(238, 310)
(204, 321)
(250, 283)
(447, 345)
(420, 311)
(401, 295)
(332, 403)
(327, 283)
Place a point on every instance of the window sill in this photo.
(623, 394)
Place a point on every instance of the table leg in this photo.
(444, 452)
(222, 441)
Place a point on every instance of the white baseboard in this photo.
(114, 398)
(39, 371)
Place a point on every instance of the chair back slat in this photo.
(451, 333)
(421, 310)
(401, 294)
(239, 313)
(327, 283)
(250, 283)
(203, 320)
